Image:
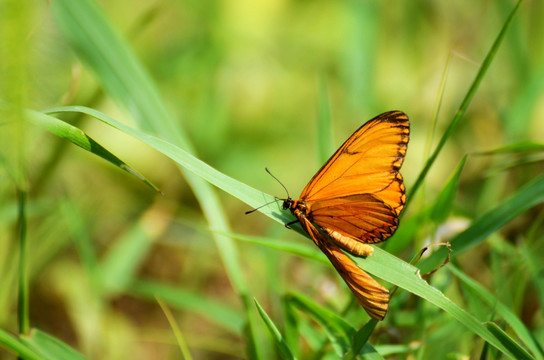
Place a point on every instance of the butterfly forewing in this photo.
(368, 162)
(394, 195)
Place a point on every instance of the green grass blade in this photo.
(49, 347)
(14, 74)
(523, 161)
(243, 192)
(22, 298)
(214, 311)
(340, 333)
(465, 103)
(302, 250)
(535, 267)
(502, 310)
(361, 346)
(521, 107)
(116, 67)
(312, 335)
(15, 62)
(252, 348)
(386, 350)
(79, 138)
(438, 106)
(444, 202)
(291, 326)
(175, 329)
(407, 277)
(514, 348)
(11, 343)
(531, 194)
(281, 344)
(515, 148)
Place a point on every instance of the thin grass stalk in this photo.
(175, 329)
(23, 269)
(437, 107)
(465, 103)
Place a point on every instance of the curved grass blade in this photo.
(535, 267)
(79, 138)
(304, 251)
(98, 44)
(386, 350)
(178, 298)
(281, 344)
(175, 329)
(245, 193)
(518, 352)
(291, 326)
(360, 343)
(515, 148)
(49, 347)
(437, 107)
(22, 298)
(14, 345)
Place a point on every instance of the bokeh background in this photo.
(247, 80)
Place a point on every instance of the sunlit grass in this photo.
(214, 93)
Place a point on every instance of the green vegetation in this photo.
(148, 255)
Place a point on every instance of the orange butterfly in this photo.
(356, 199)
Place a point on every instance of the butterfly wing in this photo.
(372, 296)
(367, 163)
(354, 219)
(356, 198)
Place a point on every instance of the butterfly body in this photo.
(355, 200)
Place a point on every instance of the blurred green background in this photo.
(247, 81)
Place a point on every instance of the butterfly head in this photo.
(296, 206)
(288, 204)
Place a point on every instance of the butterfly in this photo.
(355, 199)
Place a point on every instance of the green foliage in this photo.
(444, 201)
(200, 96)
(281, 344)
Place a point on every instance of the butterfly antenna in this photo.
(287, 191)
(276, 199)
(257, 208)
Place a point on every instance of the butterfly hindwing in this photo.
(362, 217)
(372, 296)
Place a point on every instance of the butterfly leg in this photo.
(288, 225)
